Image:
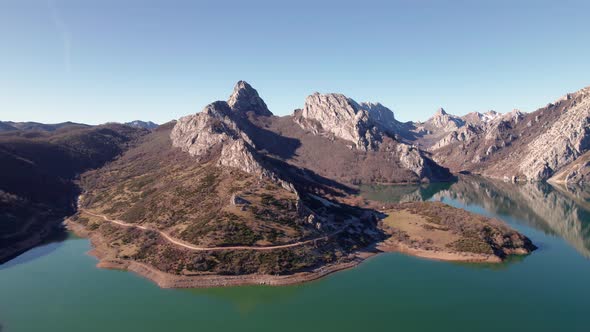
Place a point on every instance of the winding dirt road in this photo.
(195, 248)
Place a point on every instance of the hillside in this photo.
(36, 126)
(37, 181)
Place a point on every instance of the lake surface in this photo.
(56, 287)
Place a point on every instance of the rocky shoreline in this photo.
(169, 280)
(405, 244)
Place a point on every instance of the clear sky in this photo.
(120, 60)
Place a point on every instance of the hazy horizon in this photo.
(97, 62)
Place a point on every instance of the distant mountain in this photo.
(30, 126)
(142, 124)
(515, 146)
(4, 126)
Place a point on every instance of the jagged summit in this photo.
(517, 146)
(328, 122)
(440, 111)
(381, 115)
(336, 114)
(364, 123)
(443, 120)
(246, 99)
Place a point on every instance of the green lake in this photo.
(56, 287)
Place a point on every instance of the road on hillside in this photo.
(196, 248)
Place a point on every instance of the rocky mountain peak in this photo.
(336, 105)
(340, 116)
(218, 132)
(376, 108)
(580, 93)
(440, 112)
(481, 118)
(142, 124)
(443, 120)
(490, 114)
(246, 99)
(382, 117)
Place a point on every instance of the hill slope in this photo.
(37, 179)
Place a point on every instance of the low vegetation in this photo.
(437, 226)
(162, 188)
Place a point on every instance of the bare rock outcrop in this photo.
(576, 173)
(216, 129)
(246, 99)
(463, 134)
(562, 143)
(515, 145)
(445, 129)
(445, 121)
(340, 116)
(370, 127)
(579, 175)
(200, 133)
(411, 158)
(217, 133)
(382, 117)
(364, 124)
(477, 118)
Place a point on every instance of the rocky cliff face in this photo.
(371, 127)
(364, 124)
(200, 133)
(476, 118)
(382, 117)
(564, 141)
(241, 134)
(575, 173)
(246, 99)
(340, 116)
(514, 146)
(217, 132)
(443, 120)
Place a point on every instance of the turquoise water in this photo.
(56, 287)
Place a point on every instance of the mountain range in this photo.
(235, 175)
(549, 144)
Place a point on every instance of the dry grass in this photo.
(420, 229)
(436, 226)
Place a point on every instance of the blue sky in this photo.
(120, 60)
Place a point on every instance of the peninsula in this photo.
(234, 195)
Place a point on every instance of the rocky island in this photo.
(235, 195)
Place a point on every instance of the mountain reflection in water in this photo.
(560, 211)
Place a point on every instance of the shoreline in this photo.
(168, 280)
(436, 255)
(15, 250)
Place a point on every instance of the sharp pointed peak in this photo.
(440, 111)
(241, 84)
(246, 99)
